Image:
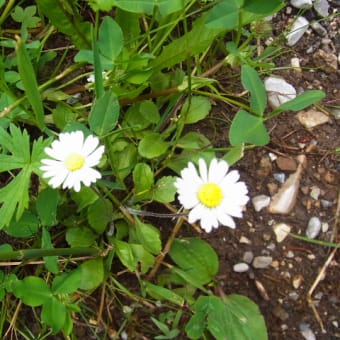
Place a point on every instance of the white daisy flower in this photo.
(213, 194)
(73, 157)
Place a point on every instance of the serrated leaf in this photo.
(26, 226)
(247, 128)
(143, 180)
(149, 237)
(193, 140)
(47, 203)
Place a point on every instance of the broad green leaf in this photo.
(99, 215)
(142, 257)
(161, 293)
(143, 180)
(152, 146)
(252, 82)
(195, 257)
(167, 7)
(111, 39)
(92, 274)
(66, 283)
(197, 324)
(104, 114)
(47, 203)
(224, 15)
(51, 262)
(125, 254)
(136, 6)
(149, 111)
(62, 114)
(65, 18)
(193, 140)
(80, 237)
(234, 155)
(302, 101)
(53, 313)
(164, 190)
(101, 5)
(26, 226)
(29, 81)
(32, 290)
(262, 7)
(195, 109)
(247, 128)
(149, 237)
(85, 197)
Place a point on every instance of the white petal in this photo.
(90, 145)
(217, 171)
(231, 178)
(225, 219)
(94, 158)
(58, 179)
(203, 170)
(196, 213)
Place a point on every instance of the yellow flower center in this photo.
(74, 161)
(210, 195)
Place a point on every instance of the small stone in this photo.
(272, 156)
(327, 62)
(315, 192)
(306, 332)
(265, 167)
(301, 3)
(280, 177)
(313, 227)
(275, 264)
(262, 261)
(294, 296)
(289, 254)
(244, 240)
(325, 203)
(241, 267)
(278, 91)
(297, 30)
(297, 280)
(321, 7)
(286, 163)
(280, 313)
(260, 202)
(312, 118)
(324, 227)
(248, 256)
(281, 231)
(271, 246)
(318, 28)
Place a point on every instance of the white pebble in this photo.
(262, 261)
(260, 202)
(241, 267)
(297, 30)
(313, 227)
(301, 3)
(281, 231)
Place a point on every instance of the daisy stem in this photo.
(166, 249)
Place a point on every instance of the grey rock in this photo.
(241, 267)
(318, 28)
(297, 30)
(248, 256)
(321, 7)
(313, 227)
(306, 332)
(260, 202)
(301, 3)
(312, 118)
(262, 261)
(280, 177)
(278, 91)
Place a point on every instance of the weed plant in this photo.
(130, 77)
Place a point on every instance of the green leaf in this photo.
(234, 155)
(54, 314)
(47, 203)
(224, 15)
(104, 114)
(25, 16)
(149, 237)
(152, 146)
(195, 257)
(143, 180)
(29, 81)
(125, 254)
(67, 283)
(164, 190)
(252, 82)
(110, 41)
(99, 215)
(247, 128)
(85, 197)
(195, 109)
(142, 258)
(51, 262)
(80, 237)
(193, 140)
(26, 226)
(262, 7)
(161, 293)
(32, 290)
(101, 5)
(302, 101)
(65, 18)
(92, 274)
(136, 6)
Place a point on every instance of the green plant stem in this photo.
(166, 249)
(26, 254)
(5, 12)
(223, 98)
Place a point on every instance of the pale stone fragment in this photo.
(278, 91)
(260, 202)
(281, 231)
(297, 30)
